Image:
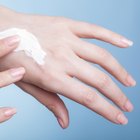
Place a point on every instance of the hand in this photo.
(14, 75)
(9, 76)
(67, 59)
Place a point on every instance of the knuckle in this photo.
(52, 107)
(104, 54)
(61, 53)
(52, 81)
(122, 72)
(54, 104)
(121, 100)
(90, 99)
(113, 36)
(50, 77)
(104, 82)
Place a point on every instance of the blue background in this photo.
(33, 121)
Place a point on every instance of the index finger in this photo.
(87, 30)
(8, 44)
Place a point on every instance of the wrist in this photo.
(10, 18)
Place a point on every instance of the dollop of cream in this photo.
(28, 43)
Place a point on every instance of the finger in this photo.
(87, 30)
(11, 76)
(6, 113)
(8, 44)
(103, 83)
(50, 100)
(100, 56)
(84, 95)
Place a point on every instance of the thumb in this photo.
(6, 113)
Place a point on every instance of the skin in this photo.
(14, 75)
(9, 76)
(67, 70)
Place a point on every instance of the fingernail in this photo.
(61, 122)
(17, 72)
(10, 112)
(127, 42)
(128, 106)
(10, 41)
(130, 81)
(122, 119)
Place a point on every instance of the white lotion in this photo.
(28, 43)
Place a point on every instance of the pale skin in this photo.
(10, 76)
(67, 60)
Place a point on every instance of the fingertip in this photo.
(126, 42)
(66, 121)
(8, 44)
(63, 123)
(121, 118)
(11, 41)
(60, 112)
(17, 73)
(6, 113)
(10, 112)
(62, 116)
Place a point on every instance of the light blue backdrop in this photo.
(33, 121)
